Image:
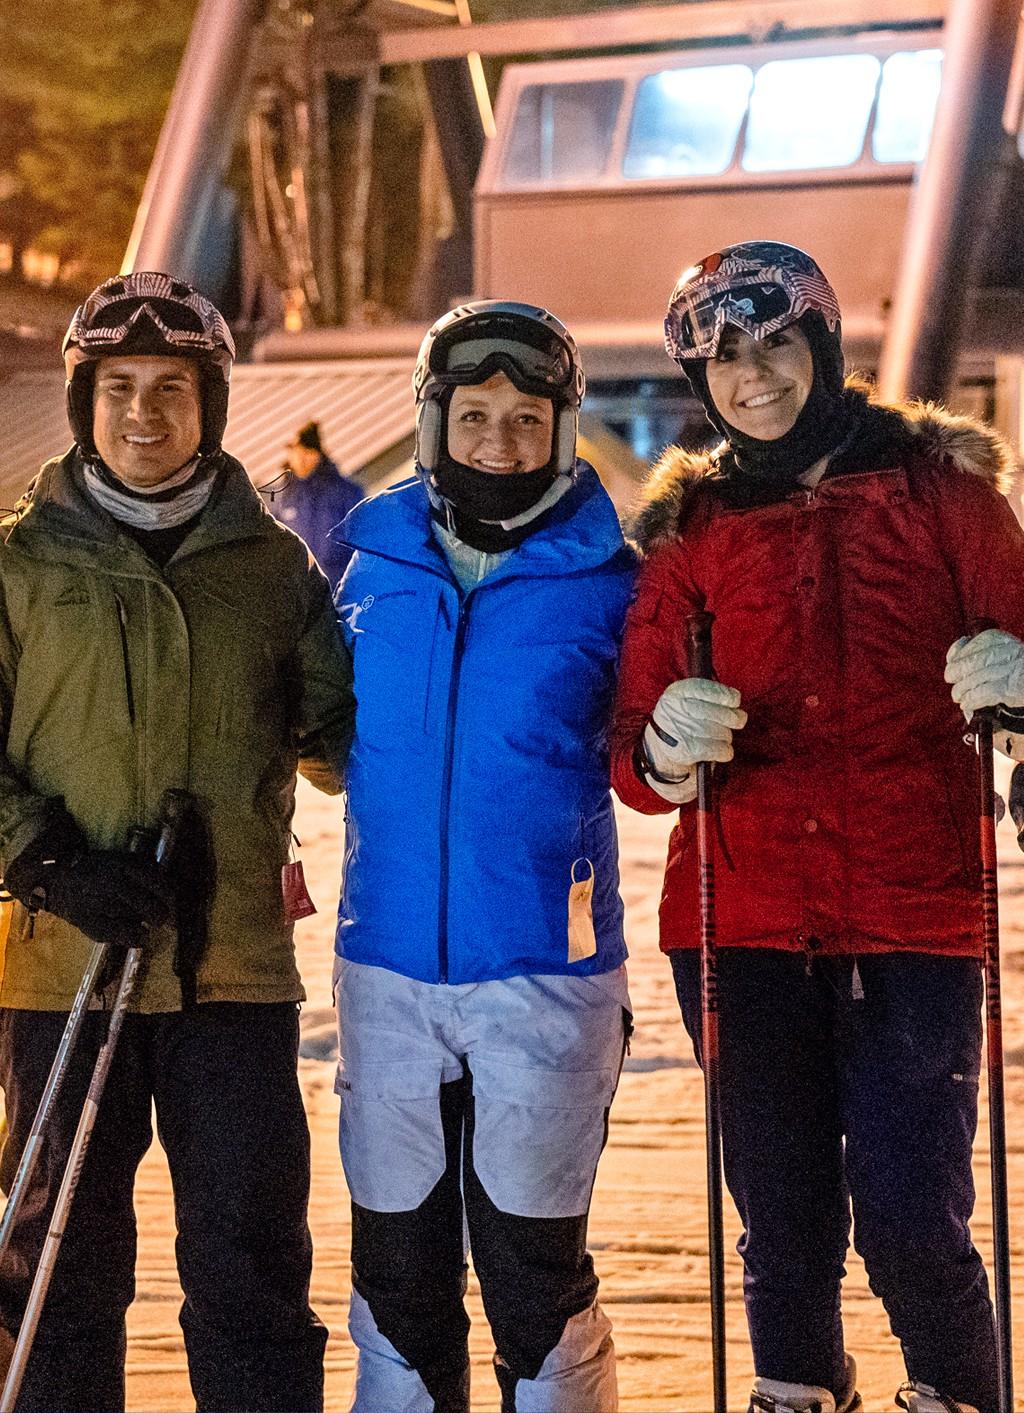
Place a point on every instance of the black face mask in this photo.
(488, 495)
(479, 499)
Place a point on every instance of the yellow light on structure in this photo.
(293, 320)
(483, 97)
(39, 267)
(476, 75)
(433, 7)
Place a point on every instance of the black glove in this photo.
(112, 896)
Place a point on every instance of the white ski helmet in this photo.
(470, 344)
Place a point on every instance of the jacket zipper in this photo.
(446, 792)
(122, 620)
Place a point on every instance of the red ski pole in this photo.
(981, 727)
(699, 633)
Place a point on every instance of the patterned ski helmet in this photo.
(760, 286)
(148, 313)
(472, 343)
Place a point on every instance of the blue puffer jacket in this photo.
(479, 771)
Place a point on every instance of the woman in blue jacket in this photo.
(481, 990)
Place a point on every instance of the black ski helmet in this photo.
(148, 313)
(470, 344)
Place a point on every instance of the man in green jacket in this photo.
(159, 629)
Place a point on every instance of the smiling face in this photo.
(759, 386)
(147, 417)
(494, 427)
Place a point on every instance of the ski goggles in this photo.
(758, 303)
(179, 326)
(183, 318)
(536, 360)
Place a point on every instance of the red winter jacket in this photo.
(848, 820)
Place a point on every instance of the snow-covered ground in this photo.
(648, 1227)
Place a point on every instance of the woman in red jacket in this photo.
(845, 550)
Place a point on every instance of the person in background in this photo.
(159, 630)
(316, 499)
(481, 989)
(846, 550)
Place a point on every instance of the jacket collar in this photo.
(581, 532)
(57, 519)
(928, 431)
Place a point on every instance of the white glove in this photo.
(692, 722)
(986, 671)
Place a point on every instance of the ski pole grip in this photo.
(986, 714)
(698, 633)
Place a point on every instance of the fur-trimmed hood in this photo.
(927, 430)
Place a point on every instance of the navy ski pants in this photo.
(230, 1117)
(844, 1082)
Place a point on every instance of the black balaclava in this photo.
(824, 421)
(481, 499)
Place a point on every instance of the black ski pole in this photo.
(981, 727)
(699, 633)
(173, 809)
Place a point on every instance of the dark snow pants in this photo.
(229, 1114)
(853, 1081)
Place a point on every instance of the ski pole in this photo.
(48, 1100)
(699, 634)
(981, 728)
(174, 805)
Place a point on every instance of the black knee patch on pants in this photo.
(535, 1273)
(410, 1269)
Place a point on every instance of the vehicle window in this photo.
(810, 112)
(906, 106)
(562, 131)
(685, 121)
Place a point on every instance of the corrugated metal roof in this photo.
(364, 408)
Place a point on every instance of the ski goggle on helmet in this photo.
(760, 287)
(148, 314)
(470, 344)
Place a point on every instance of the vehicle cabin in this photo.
(608, 175)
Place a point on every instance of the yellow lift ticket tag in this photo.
(582, 942)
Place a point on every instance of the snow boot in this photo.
(917, 1397)
(773, 1396)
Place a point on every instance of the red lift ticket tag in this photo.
(297, 902)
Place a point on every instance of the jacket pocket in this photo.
(399, 673)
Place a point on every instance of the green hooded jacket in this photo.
(220, 674)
